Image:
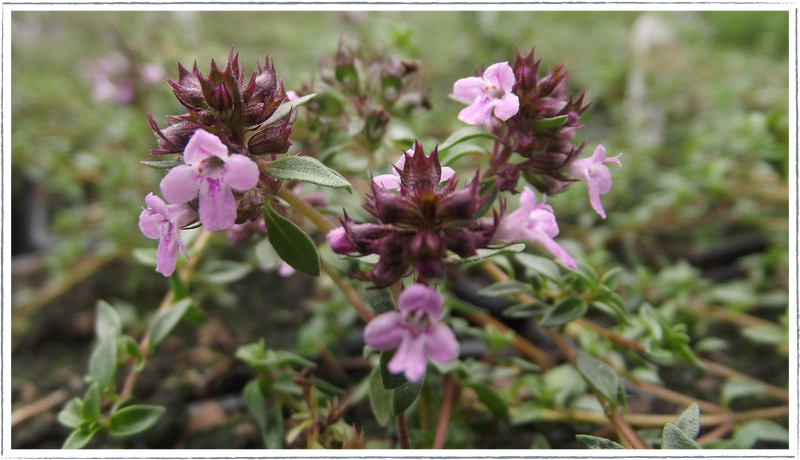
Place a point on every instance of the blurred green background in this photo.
(697, 101)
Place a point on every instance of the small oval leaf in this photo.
(134, 419)
(566, 310)
(550, 123)
(306, 169)
(405, 395)
(599, 376)
(291, 243)
(164, 322)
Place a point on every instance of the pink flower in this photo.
(209, 172)
(392, 181)
(284, 270)
(416, 332)
(534, 222)
(596, 175)
(490, 93)
(291, 95)
(161, 221)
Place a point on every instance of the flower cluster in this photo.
(415, 330)
(228, 127)
(419, 225)
(534, 118)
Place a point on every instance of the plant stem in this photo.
(444, 414)
(35, 408)
(306, 209)
(523, 345)
(184, 272)
(348, 291)
(402, 431)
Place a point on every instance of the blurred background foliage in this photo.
(697, 101)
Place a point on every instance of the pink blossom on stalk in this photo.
(488, 94)
(596, 175)
(161, 221)
(208, 171)
(392, 181)
(416, 332)
(534, 222)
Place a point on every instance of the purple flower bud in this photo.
(340, 244)
(271, 140)
(188, 89)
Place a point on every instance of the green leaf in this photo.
(746, 435)
(689, 421)
(612, 278)
(380, 398)
(306, 169)
(389, 380)
(134, 419)
(736, 387)
(71, 415)
(767, 334)
(541, 265)
(528, 412)
(103, 364)
(80, 437)
(611, 304)
(599, 376)
(550, 123)
(91, 403)
(464, 134)
(129, 346)
(179, 289)
(195, 315)
(164, 322)
(539, 442)
(504, 288)
(484, 254)
(405, 395)
(566, 310)
(493, 401)
(224, 271)
(107, 322)
(266, 255)
(284, 358)
(526, 310)
(145, 256)
(587, 274)
(593, 442)
(257, 405)
(161, 164)
(273, 438)
(291, 243)
(283, 110)
(380, 300)
(675, 438)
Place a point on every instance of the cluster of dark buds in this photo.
(418, 226)
(378, 86)
(224, 104)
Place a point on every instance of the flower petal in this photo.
(203, 145)
(167, 253)
(181, 184)
(385, 331)
(527, 199)
(477, 112)
(594, 197)
(217, 206)
(241, 172)
(410, 358)
(150, 223)
(467, 89)
(447, 173)
(441, 345)
(500, 75)
(507, 107)
(599, 154)
(560, 253)
(420, 297)
(387, 181)
(156, 204)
